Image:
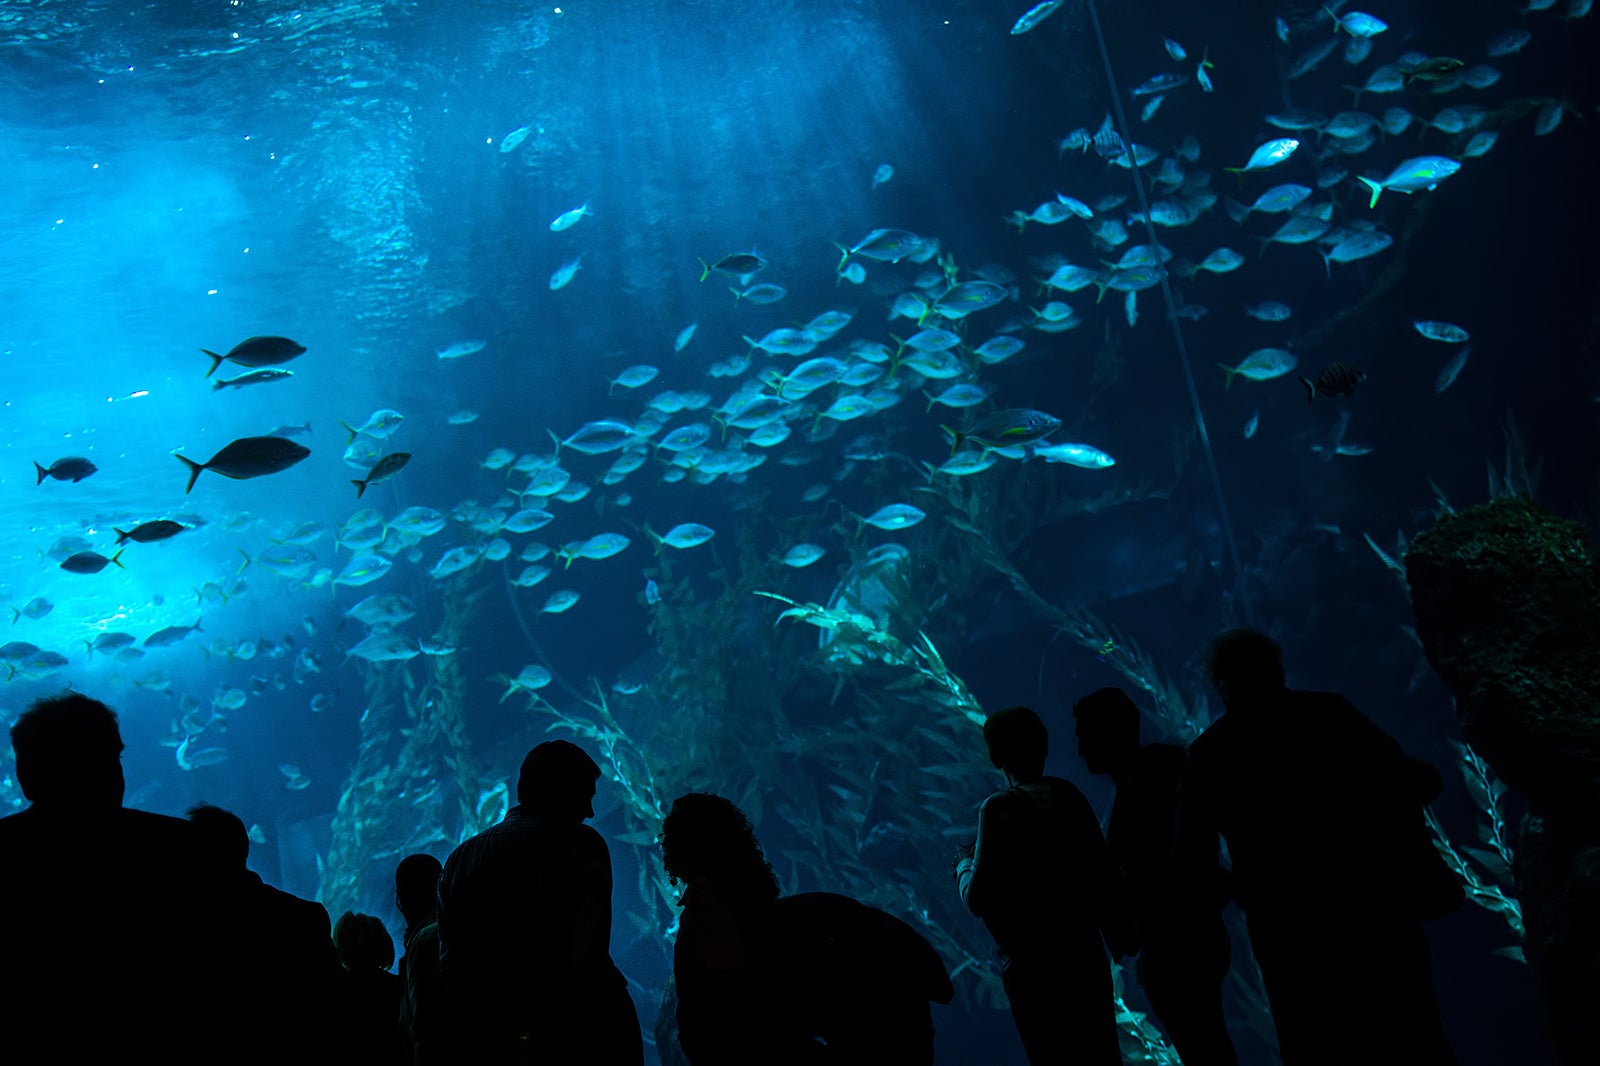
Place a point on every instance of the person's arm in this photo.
(588, 926)
(1197, 833)
(976, 873)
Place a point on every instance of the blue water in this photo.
(184, 176)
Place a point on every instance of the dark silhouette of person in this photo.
(525, 928)
(1184, 948)
(422, 1009)
(810, 978)
(112, 919)
(1040, 877)
(371, 991)
(291, 983)
(1332, 862)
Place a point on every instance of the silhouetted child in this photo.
(291, 982)
(525, 928)
(111, 916)
(372, 993)
(1332, 861)
(1184, 956)
(422, 1007)
(1042, 880)
(809, 978)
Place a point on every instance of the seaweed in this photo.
(1485, 872)
(413, 786)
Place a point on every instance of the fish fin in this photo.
(216, 361)
(194, 471)
(1311, 389)
(1377, 190)
(1227, 382)
(117, 560)
(353, 433)
(705, 268)
(88, 648)
(16, 616)
(42, 473)
(361, 487)
(121, 534)
(247, 562)
(737, 295)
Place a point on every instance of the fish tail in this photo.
(247, 562)
(194, 472)
(956, 436)
(361, 488)
(218, 384)
(353, 433)
(117, 559)
(1311, 389)
(705, 268)
(1227, 382)
(737, 295)
(844, 256)
(121, 535)
(556, 439)
(43, 473)
(16, 616)
(1377, 190)
(216, 361)
(1327, 264)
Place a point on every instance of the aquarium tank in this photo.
(760, 394)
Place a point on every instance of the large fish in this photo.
(257, 351)
(248, 457)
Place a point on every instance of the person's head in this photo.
(224, 841)
(1018, 742)
(706, 838)
(416, 886)
(69, 753)
(362, 942)
(1245, 666)
(557, 781)
(1107, 724)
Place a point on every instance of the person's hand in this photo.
(963, 852)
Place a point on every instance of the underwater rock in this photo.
(1507, 602)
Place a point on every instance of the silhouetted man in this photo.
(1332, 861)
(112, 924)
(525, 928)
(422, 1008)
(287, 972)
(1184, 957)
(814, 979)
(1042, 880)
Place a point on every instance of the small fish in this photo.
(568, 219)
(1336, 379)
(513, 140)
(248, 457)
(1432, 69)
(764, 293)
(802, 555)
(383, 470)
(685, 335)
(460, 349)
(559, 601)
(89, 562)
(257, 352)
(149, 532)
(738, 265)
(882, 175)
(73, 468)
(652, 592)
(1263, 364)
(35, 608)
(463, 417)
(1422, 172)
(1267, 155)
(1269, 311)
(1358, 23)
(1250, 426)
(1007, 428)
(302, 430)
(1085, 456)
(684, 535)
(1452, 370)
(1444, 332)
(1034, 15)
(256, 377)
(163, 638)
(565, 273)
(1175, 50)
(380, 424)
